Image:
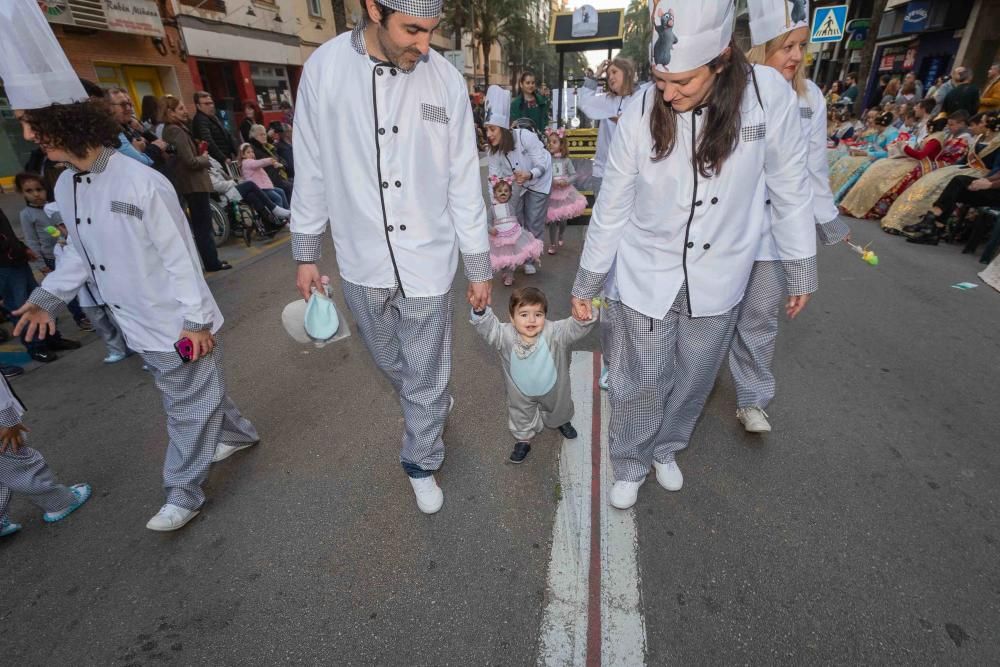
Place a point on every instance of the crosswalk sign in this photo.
(828, 24)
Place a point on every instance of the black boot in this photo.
(929, 220)
(520, 452)
(925, 236)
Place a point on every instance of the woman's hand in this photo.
(522, 177)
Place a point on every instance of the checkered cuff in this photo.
(477, 267)
(307, 248)
(47, 301)
(832, 232)
(194, 326)
(9, 417)
(588, 284)
(802, 275)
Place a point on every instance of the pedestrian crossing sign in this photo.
(828, 24)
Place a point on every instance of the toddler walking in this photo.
(23, 470)
(535, 355)
(510, 245)
(565, 201)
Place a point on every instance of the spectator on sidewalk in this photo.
(990, 100)
(36, 226)
(918, 86)
(149, 115)
(852, 89)
(965, 95)
(252, 115)
(207, 126)
(263, 150)
(134, 143)
(530, 104)
(280, 135)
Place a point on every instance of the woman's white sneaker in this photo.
(624, 494)
(429, 495)
(754, 420)
(669, 475)
(171, 517)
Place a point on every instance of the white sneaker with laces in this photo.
(224, 451)
(429, 495)
(529, 269)
(624, 494)
(754, 420)
(281, 213)
(602, 382)
(669, 475)
(171, 517)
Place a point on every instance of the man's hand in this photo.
(139, 144)
(161, 144)
(480, 295)
(583, 309)
(34, 321)
(202, 341)
(11, 438)
(980, 184)
(306, 278)
(795, 305)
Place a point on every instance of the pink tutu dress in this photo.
(512, 246)
(565, 201)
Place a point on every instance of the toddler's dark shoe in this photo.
(520, 452)
(568, 431)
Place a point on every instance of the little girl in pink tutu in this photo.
(510, 245)
(565, 201)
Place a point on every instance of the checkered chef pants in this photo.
(752, 350)
(26, 472)
(410, 341)
(660, 373)
(200, 415)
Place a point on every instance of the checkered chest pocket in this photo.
(434, 114)
(126, 209)
(753, 132)
(805, 112)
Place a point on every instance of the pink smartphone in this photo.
(185, 349)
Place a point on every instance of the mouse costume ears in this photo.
(34, 69)
(559, 132)
(687, 34)
(773, 18)
(509, 180)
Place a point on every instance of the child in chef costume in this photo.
(565, 201)
(535, 354)
(511, 245)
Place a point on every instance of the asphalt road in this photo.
(863, 530)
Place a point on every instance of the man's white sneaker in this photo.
(624, 494)
(669, 475)
(281, 213)
(754, 420)
(224, 451)
(171, 517)
(429, 495)
(602, 382)
(529, 269)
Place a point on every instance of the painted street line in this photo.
(593, 608)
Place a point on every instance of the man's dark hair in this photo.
(961, 115)
(384, 12)
(927, 105)
(75, 128)
(525, 74)
(199, 96)
(851, 78)
(20, 180)
(528, 296)
(722, 117)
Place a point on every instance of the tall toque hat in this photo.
(688, 34)
(773, 18)
(497, 107)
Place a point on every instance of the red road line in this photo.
(594, 578)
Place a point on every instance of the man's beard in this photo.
(393, 53)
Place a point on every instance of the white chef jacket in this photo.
(603, 107)
(529, 154)
(389, 160)
(668, 225)
(128, 234)
(812, 111)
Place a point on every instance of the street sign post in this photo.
(828, 24)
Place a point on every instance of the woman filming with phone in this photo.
(192, 180)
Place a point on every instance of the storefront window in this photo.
(272, 85)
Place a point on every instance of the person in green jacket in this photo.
(530, 104)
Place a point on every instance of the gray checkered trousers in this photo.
(409, 339)
(752, 351)
(660, 373)
(200, 415)
(26, 472)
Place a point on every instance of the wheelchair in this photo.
(237, 218)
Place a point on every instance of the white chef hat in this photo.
(772, 18)
(687, 34)
(497, 107)
(33, 67)
(425, 9)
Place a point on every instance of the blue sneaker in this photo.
(113, 358)
(8, 528)
(82, 493)
(603, 382)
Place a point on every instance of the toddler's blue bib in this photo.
(536, 374)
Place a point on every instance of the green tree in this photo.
(340, 15)
(638, 32)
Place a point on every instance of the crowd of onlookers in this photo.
(925, 164)
(201, 155)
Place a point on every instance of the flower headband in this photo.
(560, 132)
(509, 180)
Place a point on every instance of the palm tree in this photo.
(868, 53)
(339, 16)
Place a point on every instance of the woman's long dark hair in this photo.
(506, 144)
(722, 125)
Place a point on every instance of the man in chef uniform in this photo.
(129, 236)
(386, 155)
(682, 208)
